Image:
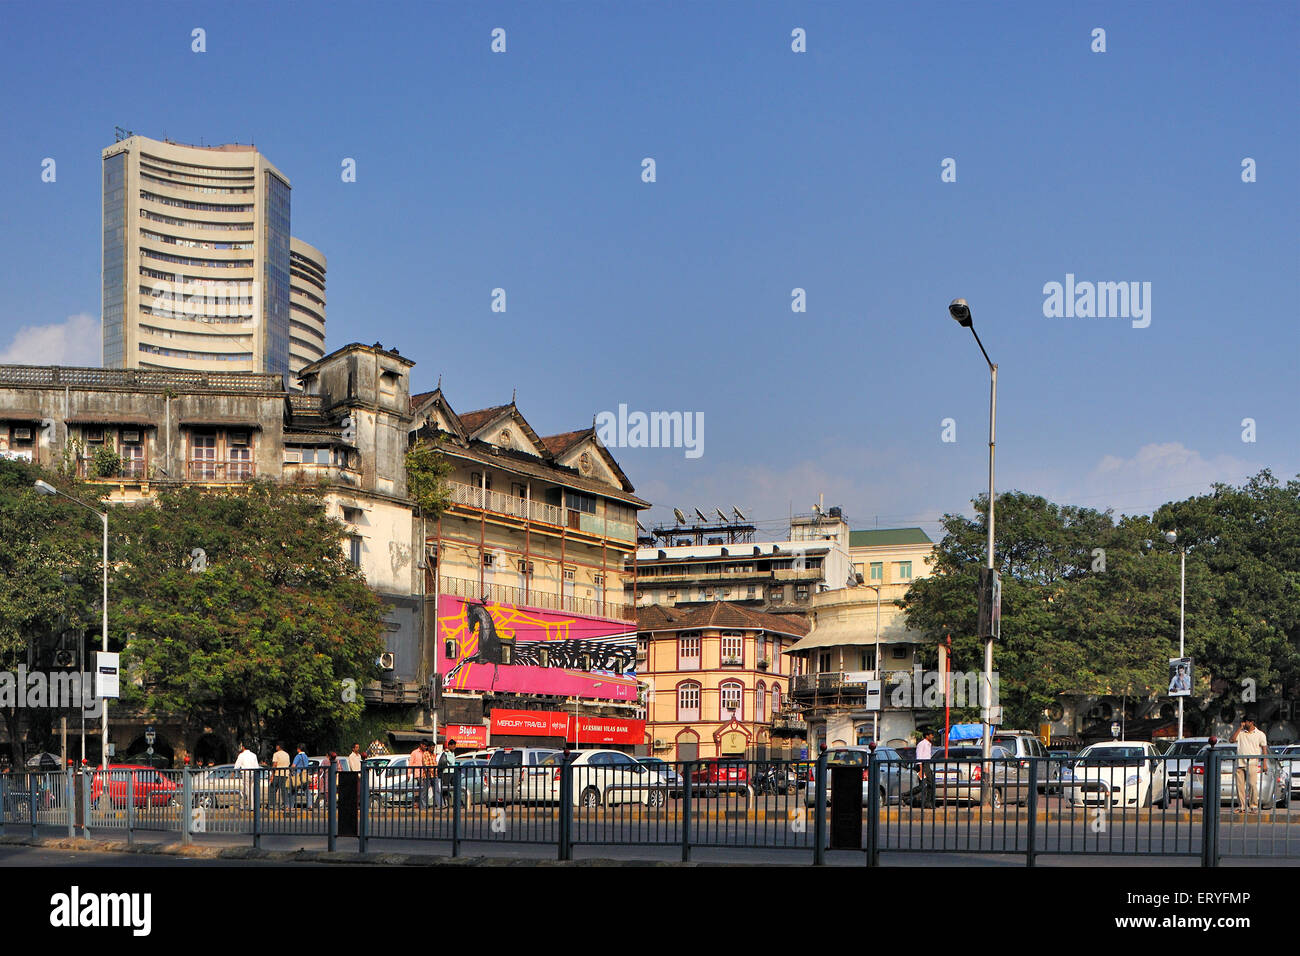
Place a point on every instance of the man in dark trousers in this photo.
(925, 768)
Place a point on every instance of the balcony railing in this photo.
(131, 469)
(534, 597)
(526, 509)
(789, 723)
(202, 470)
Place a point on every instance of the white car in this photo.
(600, 778)
(1119, 773)
(1290, 767)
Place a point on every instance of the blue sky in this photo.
(775, 170)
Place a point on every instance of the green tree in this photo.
(49, 571)
(242, 612)
(427, 471)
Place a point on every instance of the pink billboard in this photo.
(501, 647)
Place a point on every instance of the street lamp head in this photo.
(45, 488)
(1171, 536)
(959, 309)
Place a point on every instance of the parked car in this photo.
(898, 781)
(719, 775)
(150, 788)
(959, 776)
(509, 767)
(665, 770)
(1290, 767)
(600, 778)
(1271, 781)
(224, 786)
(1122, 773)
(1023, 746)
(1058, 761)
(1185, 750)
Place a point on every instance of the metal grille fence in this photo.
(1100, 805)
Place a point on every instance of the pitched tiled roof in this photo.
(719, 614)
(558, 444)
(421, 398)
(473, 421)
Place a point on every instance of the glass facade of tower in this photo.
(275, 275)
(114, 290)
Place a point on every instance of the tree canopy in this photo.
(1089, 608)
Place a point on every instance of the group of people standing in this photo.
(431, 772)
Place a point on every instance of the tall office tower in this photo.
(196, 258)
(306, 305)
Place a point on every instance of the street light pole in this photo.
(959, 309)
(46, 488)
(875, 728)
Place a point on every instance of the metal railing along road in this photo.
(1028, 807)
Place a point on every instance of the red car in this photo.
(712, 777)
(150, 788)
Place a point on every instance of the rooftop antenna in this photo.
(701, 515)
(720, 514)
(740, 516)
(681, 518)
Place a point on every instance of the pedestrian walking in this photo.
(354, 759)
(300, 777)
(415, 770)
(245, 762)
(925, 768)
(1251, 744)
(446, 772)
(280, 778)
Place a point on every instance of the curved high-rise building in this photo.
(196, 258)
(306, 305)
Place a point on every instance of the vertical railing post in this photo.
(873, 810)
(1032, 834)
(31, 801)
(4, 802)
(187, 806)
(69, 803)
(1209, 820)
(331, 807)
(686, 772)
(457, 775)
(257, 808)
(130, 807)
(566, 810)
(819, 811)
(363, 825)
(87, 782)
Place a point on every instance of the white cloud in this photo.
(75, 341)
(1158, 473)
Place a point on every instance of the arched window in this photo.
(731, 696)
(760, 703)
(688, 700)
(776, 699)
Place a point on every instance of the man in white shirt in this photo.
(354, 759)
(247, 760)
(924, 753)
(1251, 742)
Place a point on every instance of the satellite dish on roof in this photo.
(681, 518)
(701, 514)
(720, 514)
(740, 516)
